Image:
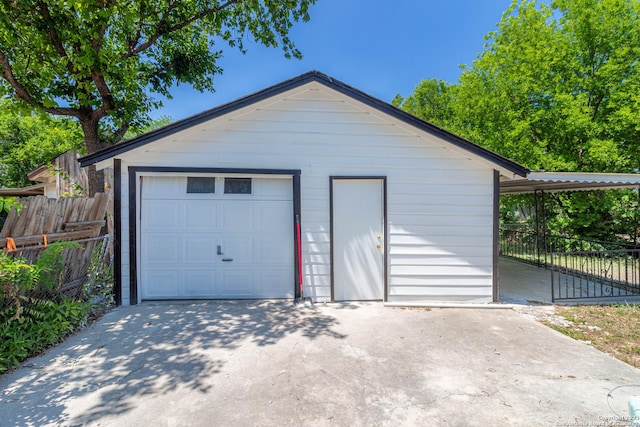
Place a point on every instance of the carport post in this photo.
(541, 226)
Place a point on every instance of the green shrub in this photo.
(50, 265)
(98, 290)
(30, 323)
(42, 324)
(16, 278)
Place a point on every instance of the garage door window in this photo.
(201, 185)
(237, 186)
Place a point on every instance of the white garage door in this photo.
(216, 237)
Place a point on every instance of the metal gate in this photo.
(590, 275)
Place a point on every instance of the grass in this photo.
(612, 329)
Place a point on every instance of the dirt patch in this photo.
(543, 313)
(612, 329)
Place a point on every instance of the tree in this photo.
(431, 100)
(557, 87)
(101, 61)
(28, 141)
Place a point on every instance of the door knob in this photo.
(379, 246)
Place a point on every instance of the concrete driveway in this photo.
(266, 363)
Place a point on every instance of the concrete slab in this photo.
(266, 363)
(522, 283)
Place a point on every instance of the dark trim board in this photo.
(385, 246)
(117, 231)
(134, 212)
(496, 236)
(297, 215)
(133, 239)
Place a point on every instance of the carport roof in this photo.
(569, 181)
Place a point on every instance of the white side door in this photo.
(358, 239)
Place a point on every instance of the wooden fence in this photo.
(74, 274)
(43, 220)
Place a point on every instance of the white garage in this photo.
(307, 189)
(212, 236)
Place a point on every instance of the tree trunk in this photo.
(92, 143)
(95, 179)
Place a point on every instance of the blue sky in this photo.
(381, 48)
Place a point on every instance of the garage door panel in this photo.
(274, 217)
(180, 236)
(160, 215)
(236, 284)
(162, 283)
(274, 250)
(160, 249)
(200, 215)
(237, 248)
(199, 283)
(163, 187)
(278, 282)
(199, 250)
(236, 216)
(274, 189)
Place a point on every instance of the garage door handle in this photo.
(227, 259)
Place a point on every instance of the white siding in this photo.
(440, 199)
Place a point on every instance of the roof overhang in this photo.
(569, 181)
(42, 173)
(31, 190)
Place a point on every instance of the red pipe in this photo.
(299, 239)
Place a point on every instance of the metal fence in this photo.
(524, 244)
(595, 274)
(74, 265)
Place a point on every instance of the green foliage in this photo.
(556, 88)
(76, 190)
(98, 290)
(148, 127)
(102, 62)
(28, 141)
(29, 321)
(431, 100)
(6, 203)
(50, 265)
(16, 278)
(42, 324)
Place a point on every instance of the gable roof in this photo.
(311, 76)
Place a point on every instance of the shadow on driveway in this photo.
(150, 349)
(266, 363)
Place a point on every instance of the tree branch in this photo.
(162, 30)
(119, 134)
(53, 35)
(23, 93)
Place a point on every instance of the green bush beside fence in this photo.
(34, 315)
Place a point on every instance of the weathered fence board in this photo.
(68, 218)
